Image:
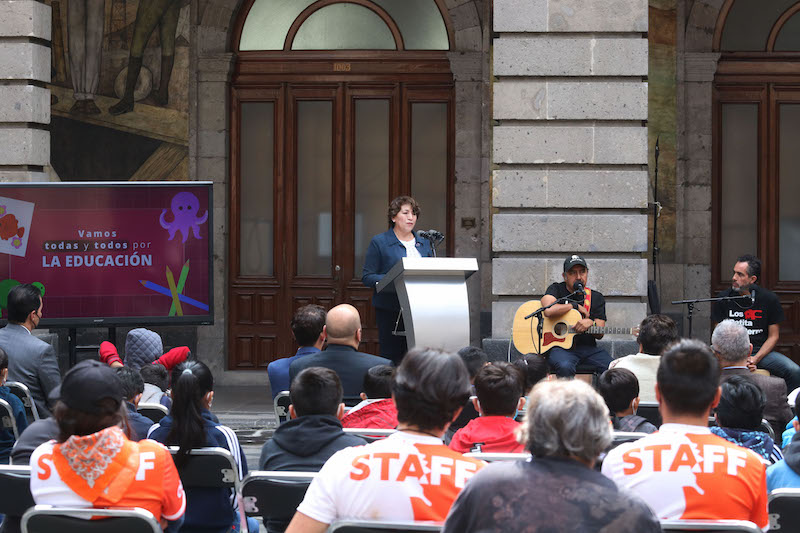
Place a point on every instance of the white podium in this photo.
(433, 297)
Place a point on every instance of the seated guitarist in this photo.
(592, 307)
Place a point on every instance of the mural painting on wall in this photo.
(662, 119)
(119, 91)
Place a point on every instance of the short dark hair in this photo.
(688, 377)
(741, 404)
(3, 359)
(378, 382)
(534, 367)
(316, 391)
(499, 387)
(656, 332)
(429, 387)
(23, 299)
(753, 265)
(307, 324)
(397, 204)
(474, 359)
(618, 387)
(155, 374)
(74, 422)
(132, 382)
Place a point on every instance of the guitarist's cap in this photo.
(573, 260)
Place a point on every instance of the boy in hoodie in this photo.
(499, 387)
(619, 387)
(739, 415)
(313, 432)
(785, 474)
(377, 409)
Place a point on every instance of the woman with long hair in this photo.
(190, 425)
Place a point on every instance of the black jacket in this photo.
(305, 443)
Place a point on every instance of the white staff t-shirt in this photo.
(402, 477)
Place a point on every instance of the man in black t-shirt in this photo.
(761, 316)
(592, 307)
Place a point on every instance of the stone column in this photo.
(210, 159)
(24, 99)
(570, 151)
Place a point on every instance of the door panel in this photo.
(339, 153)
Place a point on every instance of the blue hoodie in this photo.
(208, 509)
(786, 474)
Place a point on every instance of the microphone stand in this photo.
(690, 305)
(538, 314)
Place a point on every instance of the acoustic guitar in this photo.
(556, 331)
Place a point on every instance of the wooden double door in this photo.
(757, 182)
(313, 168)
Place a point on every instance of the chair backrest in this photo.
(281, 404)
(49, 519)
(491, 457)
(621, 437)
(370, 526)
(15, 486)
(649, 411)
(731, 526)
(153, 411)
(784, 510)
(7, 418)
(208, 468)
(274, 496)
(766, 427)
(21, 391)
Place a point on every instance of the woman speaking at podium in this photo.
(384, 251)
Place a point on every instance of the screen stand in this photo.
(72, 333)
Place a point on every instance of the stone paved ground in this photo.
(248, 411)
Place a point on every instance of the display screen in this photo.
(109, 253)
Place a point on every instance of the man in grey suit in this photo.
(731, 345)
(343, 331)
(30, 360)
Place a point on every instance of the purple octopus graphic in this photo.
(184, 206)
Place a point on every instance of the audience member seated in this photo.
(132, 389)
(534, 367)
(656, 332)
(376, 409)
(410, 475)
(684, 471)
(17, 410)
(92, 463)
(785, 474)
(189, 425)
(313, 432)
(620, 390)
(499, 387)
(565, 429)
(474, 359)
(343, 331)
(138, 358)
(156, 383)
(739, 415)
(39, 432)
(307, 325)
(31, 361)
(731, 344)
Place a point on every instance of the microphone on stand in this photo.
(578, 291)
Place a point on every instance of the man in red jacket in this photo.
(499, 387)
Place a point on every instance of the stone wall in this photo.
(570, 151)
(24, 99)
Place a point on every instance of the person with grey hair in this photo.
(731, 344)
(565, 429)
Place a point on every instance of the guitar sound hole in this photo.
(560, 329)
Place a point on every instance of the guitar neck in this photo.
(608, 330)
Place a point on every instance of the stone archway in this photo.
(213, 59)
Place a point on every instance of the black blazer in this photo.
(347, 362)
